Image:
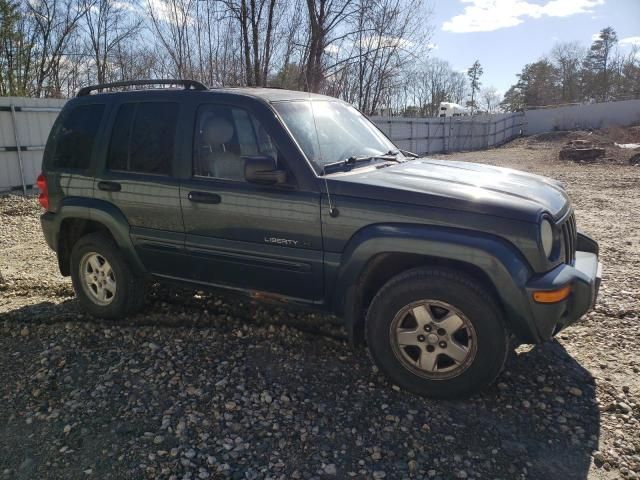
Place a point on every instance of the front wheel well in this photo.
(72, 230)
(383, 267)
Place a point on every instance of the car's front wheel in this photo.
(437, 333)
(102, 279)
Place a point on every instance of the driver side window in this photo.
(223, 136)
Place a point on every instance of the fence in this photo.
(451, 134)
(24, 127)
(584, 116)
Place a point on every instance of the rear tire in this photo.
(437, 333)
(103, 280)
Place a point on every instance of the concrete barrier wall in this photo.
(34, 117)
(31, 119)
(584, 116)
(451, 134)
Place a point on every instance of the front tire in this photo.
(103, 280)
(437, 333)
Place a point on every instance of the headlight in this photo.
(546, 237)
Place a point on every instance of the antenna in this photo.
(333, 212)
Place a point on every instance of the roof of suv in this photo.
(272, 94)
(262, 93)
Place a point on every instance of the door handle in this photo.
(204, 197)
(109, 186)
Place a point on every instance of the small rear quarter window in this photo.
(70, 144)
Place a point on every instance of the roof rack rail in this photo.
(188, 85)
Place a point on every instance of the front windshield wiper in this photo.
(390, 156)
(406, 153)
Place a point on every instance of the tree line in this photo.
(375, 54)
(358, 50)
(571, 73)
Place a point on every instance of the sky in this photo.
(506, 34)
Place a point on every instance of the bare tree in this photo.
(386, 39)
(430, 82)
(257, 22)
(107, 25)
(169, 21)
(55, 22)
(325, 17)
(568, 57)
(490, 100)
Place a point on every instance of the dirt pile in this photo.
(581, 150)
(607, 145)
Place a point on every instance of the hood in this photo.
(459, 185)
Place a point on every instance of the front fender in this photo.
(500, 261)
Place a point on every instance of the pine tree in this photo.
(598, 64)
(474, 73)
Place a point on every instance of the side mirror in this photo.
(263, 169)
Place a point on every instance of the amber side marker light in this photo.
(552, 296)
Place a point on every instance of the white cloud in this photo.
(332, 49)
(162, 11)
(629, 41)
(489, 15)
(384, 41)
(432, 46)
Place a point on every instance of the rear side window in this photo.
(73, 136)
(143, 138)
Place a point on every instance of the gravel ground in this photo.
(207, 386)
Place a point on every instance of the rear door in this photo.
(137, 177)
(243, 235)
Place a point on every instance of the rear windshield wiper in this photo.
(354, 160)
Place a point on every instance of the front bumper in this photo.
(583, 277)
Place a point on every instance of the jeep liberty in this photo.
(439, 267)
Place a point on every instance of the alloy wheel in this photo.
(433, 339)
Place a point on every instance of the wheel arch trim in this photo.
(106, 214)
(501, 262)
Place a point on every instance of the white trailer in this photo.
(449, 109)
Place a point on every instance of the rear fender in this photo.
(106, 214)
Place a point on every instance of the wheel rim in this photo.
(98, 278)
(433, 339)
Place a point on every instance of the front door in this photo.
(243, 235)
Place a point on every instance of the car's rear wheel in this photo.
(437, 333)
(102, 279)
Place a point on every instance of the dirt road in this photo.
(204, 386)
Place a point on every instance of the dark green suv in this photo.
(438, 266)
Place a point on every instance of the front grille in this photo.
(569, 238)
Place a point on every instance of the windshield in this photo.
(338, 133)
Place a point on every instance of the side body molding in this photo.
(501, 263)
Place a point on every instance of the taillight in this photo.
(43, 198)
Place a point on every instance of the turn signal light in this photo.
(43, 198)
(552, 296)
